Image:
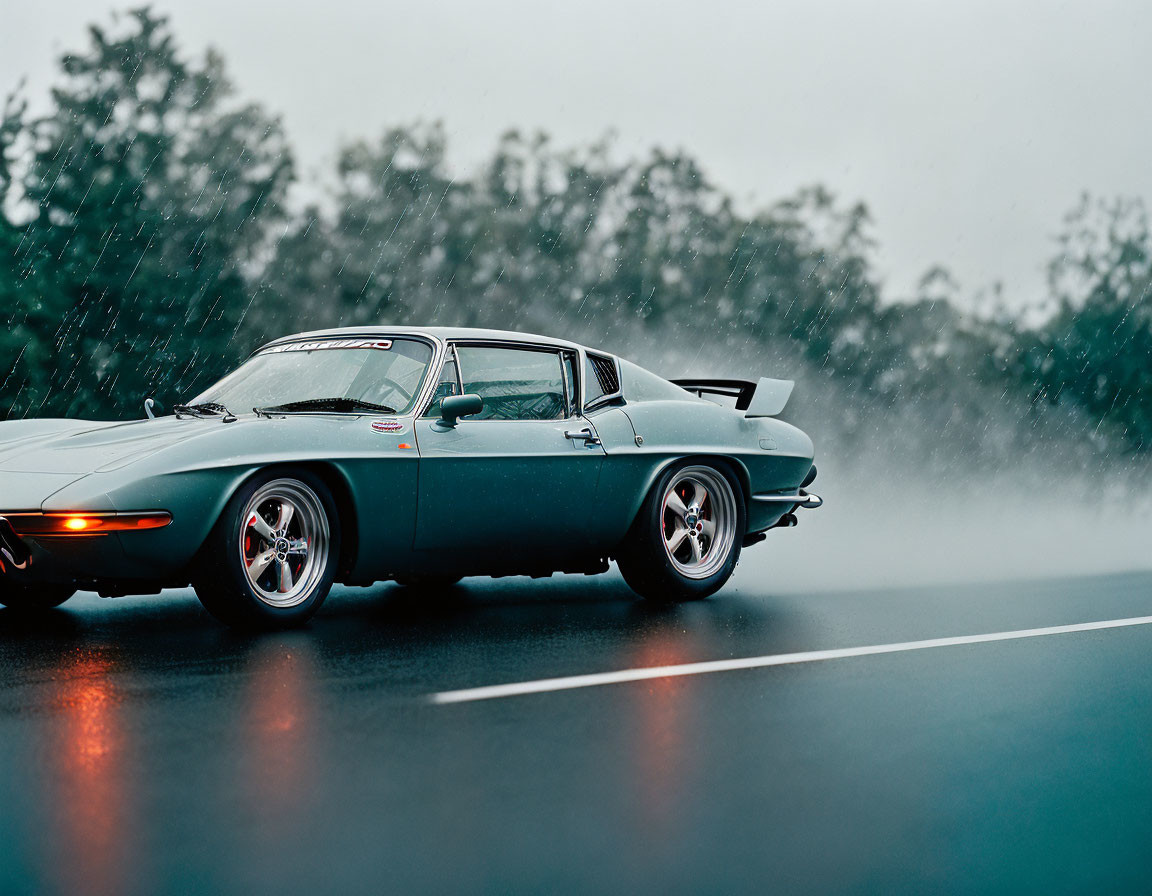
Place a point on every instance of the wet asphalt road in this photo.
(144, 749)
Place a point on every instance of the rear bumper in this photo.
(773, 510)
(802, 500)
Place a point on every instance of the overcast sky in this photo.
(969, 128)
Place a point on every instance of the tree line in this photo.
(147, 243)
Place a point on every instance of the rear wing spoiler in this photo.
(765, 398)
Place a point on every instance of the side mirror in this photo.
(456, 406)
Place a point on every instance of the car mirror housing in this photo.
(456, 406)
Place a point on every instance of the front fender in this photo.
(195, 499)
(194, 480)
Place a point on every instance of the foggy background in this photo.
(970, 129)
(932, 217)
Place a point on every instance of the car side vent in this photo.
(606, 375)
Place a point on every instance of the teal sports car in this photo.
(420, 455)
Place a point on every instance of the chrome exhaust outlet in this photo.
(787, 521)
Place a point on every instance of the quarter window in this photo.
(600, 378)
(592, 387)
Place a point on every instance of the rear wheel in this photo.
(686, 539)
(31, 598)
(271, 559)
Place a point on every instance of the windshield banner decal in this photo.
(381, 344)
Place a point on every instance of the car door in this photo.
(520, 477)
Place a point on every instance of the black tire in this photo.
(33, 598)
(221, 573)
(648, 565)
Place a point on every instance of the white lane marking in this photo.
(598, 679)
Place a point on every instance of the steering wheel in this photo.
(388, 381)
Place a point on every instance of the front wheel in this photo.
(271, 559)
(33, 598)
(686, 539)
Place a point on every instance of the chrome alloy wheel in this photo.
(699, 521)
(284, 542)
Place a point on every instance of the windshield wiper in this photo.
(207, 409)
(338, 405)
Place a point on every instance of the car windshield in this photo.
(386, 373)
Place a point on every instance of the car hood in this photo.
(79, 447)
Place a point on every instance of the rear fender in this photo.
(624, 489)
(734, 468)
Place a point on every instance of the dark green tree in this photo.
(1095, 351)
(149, 198)
(380, 251)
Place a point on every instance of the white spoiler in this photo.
(765, 398)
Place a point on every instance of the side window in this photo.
(516, 384)
(445, 388)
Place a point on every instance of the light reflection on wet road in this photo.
(145, 749)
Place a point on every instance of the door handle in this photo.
(585, 435)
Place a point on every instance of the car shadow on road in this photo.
(506, 627)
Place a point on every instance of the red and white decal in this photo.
(320, 344)
(387, 426)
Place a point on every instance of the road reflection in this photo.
(279, 725)
(110, 735)
(91, 782)
(159, 741)
(666, 713)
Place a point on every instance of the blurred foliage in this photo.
(136, 209)
(146, 245)
(1095, 351)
